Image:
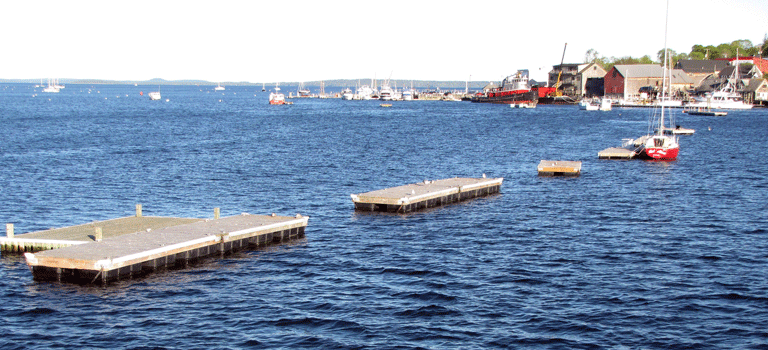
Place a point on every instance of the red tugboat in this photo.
(514, 89)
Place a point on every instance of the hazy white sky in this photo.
(297, 40)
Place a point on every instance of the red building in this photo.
(757, 61)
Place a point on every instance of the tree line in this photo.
(741, 47)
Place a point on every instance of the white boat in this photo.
(364, 93)
(52, 87)
(605, 104)
(408, 95)
(154, 95)
(523, 105)
(386, 93)
(263, 88)
(219, 88)
(588, 105)
(276, 97)
(347, 94)
(724, 98)
(303, 91)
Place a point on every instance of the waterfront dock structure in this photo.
(427, 194)
(142, 252)
(559, 168)
(616, 153)
(73, 235)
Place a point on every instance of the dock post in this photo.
(138, 210)
(216, 213)
(9, 230)
(97, 235)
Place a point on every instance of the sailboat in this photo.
(262, 87)
(52, 86)
(660, 145)
(155, 95)
(219, 88)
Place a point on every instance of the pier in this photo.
(427, 194)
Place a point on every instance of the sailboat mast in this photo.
(664, 71)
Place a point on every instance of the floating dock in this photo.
(104, 251)
(427, 194)
(616, 153)
(75, 235)
(559, 168)
(140, 253)
(706, 112)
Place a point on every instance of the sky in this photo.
(297, 40)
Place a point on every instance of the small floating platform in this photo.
(427, 194)
(616, 153)
(559, 168)
(707, 113)
(139, 253)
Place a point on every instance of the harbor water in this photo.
(631, 254)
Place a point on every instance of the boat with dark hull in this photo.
(514, 89)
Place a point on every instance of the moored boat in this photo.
(514, 89)
(660, 145)
(276, 97)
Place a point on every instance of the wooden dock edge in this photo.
(21, 245)
(175, 255)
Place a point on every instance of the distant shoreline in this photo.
(351, 83)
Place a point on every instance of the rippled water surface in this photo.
(631, 254)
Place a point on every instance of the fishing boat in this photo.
(386, 93)
(660, 145)
(364, 92)
(276, 97)
(514, 89)
(408, 95)
(725, 97)
(302, 91)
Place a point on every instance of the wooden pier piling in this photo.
(427, 194)
(142, 252)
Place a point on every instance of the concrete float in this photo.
(427, 194)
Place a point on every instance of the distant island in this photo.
(335, 83)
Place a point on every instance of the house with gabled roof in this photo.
(700, 69)
(577, 79)
(625, 81)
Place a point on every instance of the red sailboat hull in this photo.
(659, 153)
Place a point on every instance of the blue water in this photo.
(630, 255)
